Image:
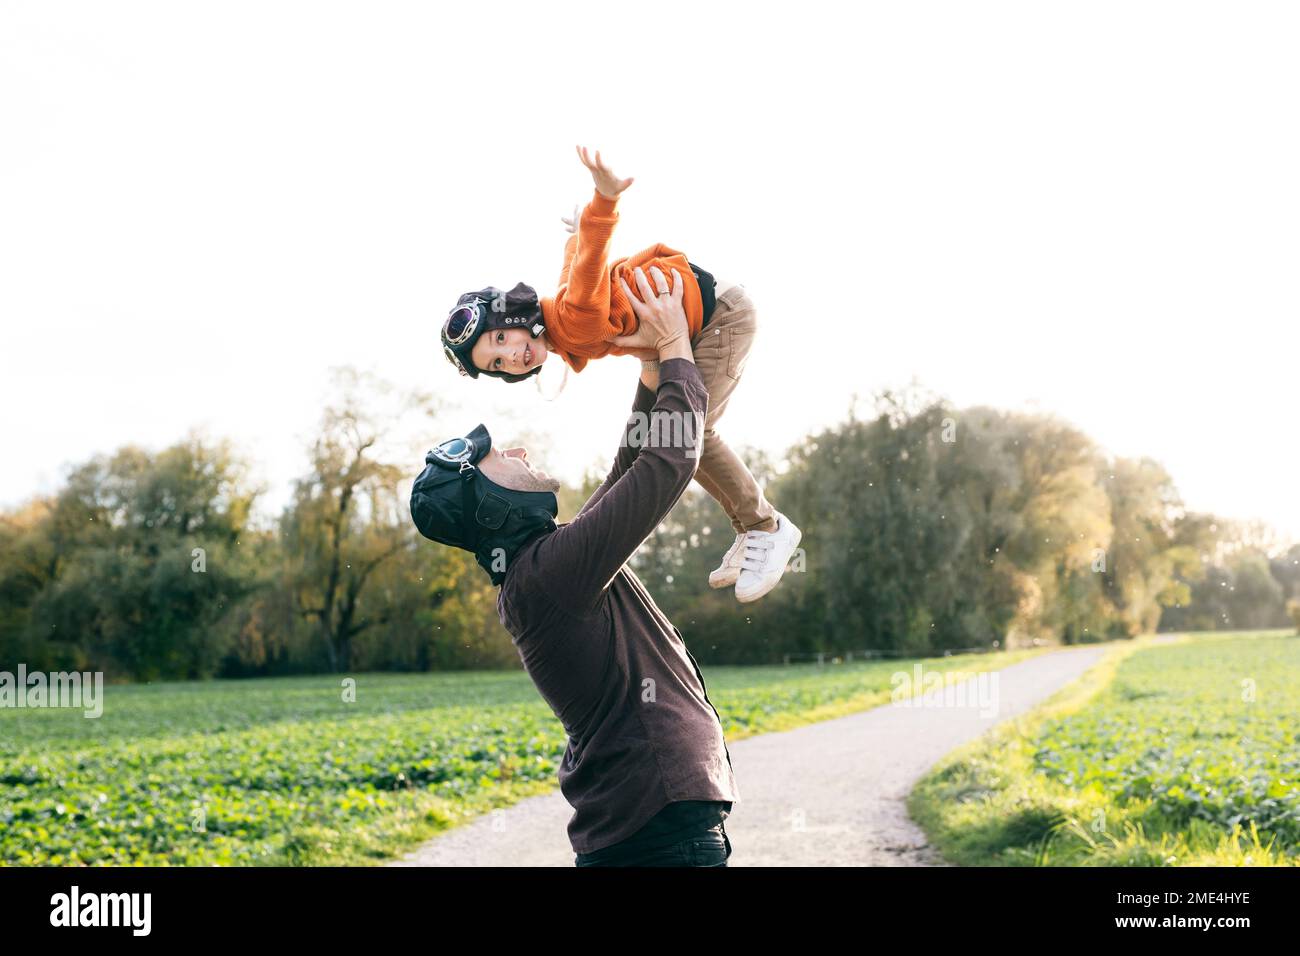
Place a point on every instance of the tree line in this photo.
(926, 528)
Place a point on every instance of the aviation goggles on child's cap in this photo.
(486, 311)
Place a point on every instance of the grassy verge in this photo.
(1163, 754)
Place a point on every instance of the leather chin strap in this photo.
(468, 507)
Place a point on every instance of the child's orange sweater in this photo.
(590, 308)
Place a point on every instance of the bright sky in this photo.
(1087, 209)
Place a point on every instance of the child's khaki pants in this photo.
(720, 350)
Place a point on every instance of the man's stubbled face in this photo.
(510, 469)
(513, 351)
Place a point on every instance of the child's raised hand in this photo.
(571, 225)
(607, 184)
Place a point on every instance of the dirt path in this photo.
(828, 794)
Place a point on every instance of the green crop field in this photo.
(284, 771)
(1185, 753)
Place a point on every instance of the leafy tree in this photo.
(349, 515)
(1145, 560)
(138, 557)
(1285, 569)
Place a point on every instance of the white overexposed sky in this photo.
(1087, 209)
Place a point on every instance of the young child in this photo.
(510, 334)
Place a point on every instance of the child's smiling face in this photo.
(513, 351)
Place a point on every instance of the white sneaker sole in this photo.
(725, 580)
(776, 579)
(726, 575)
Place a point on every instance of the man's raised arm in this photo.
(633, 432)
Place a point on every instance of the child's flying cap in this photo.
(486, 311)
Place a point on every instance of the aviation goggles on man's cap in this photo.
(454, 503)
(459, 453)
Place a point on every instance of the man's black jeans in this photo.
(686, 833)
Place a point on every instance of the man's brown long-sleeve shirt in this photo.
(616, 672)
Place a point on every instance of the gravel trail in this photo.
(828, 794)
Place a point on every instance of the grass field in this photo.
(283, 771)
(1177, 754)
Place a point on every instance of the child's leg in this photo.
(720, 353)
(750, 510)
(718, 495)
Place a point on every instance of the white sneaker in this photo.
(725, 575)
(766, 554)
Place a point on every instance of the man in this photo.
(646, 768)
